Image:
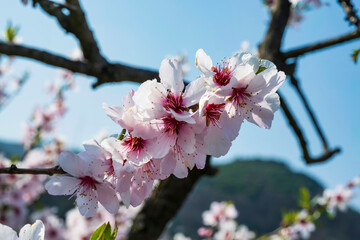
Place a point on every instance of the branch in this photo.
(321, 45)
(314, 120)
(164, 203)
(270, 47)
(75, 22)
(298, 132)
(46, 171)
(350, 12)
(47, 58)
(109, 73)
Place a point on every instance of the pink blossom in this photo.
(35, 231)
(84, 182)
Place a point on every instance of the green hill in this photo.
(260, 190)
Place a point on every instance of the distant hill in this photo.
(260, 190)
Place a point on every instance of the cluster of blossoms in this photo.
(168, 129)
(75, 227)
(297, 9)
(329, 202)
(42, 122)
(10, 84)
(220, 224)
(20, 191)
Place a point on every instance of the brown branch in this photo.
(75, 22)
(299, 133)
(350, 12)
(310, 112)
(271, 45)
(45, 171)
(47, 58)
(164, 203)
(109, 73)
(321, 45)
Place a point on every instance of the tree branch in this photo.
(75, 22)
(164, 203)
(109, 73)
(47, 58)
(299, 133)
(45, 171)
(306, 103)
(321, 45)
(350, 12)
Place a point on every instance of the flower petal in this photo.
(35, 231)
(171, 75)
(107, 197)
(62, 185)
(203, 62)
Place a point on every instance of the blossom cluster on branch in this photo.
(220, 220)
(168, 129)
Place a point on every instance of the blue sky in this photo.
(142, 33)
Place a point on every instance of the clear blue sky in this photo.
(143, 32)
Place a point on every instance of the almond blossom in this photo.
(84, 182)
(35, 231)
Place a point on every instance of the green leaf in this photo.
(304, 201)
(11, 32)
(261, 69)
(290, 217)
(104, 233)
(122, 135)
(355, 55)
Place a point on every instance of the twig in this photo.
(299, 133)
(321, 45)
(45, 171)
(314, 120)
(350, 12)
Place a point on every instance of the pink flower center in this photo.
(222, 74)
(172, 125)
(134, 144)
(239, 95)
(88, 182)
(339, 198)
(175, 103)
(213, 112)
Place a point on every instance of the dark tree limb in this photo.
(44, 171)
(47, 58)
(109, 73)
(350, 11)
(321, 45)
(310, 112)
(301, 138)
(75, 22)
(164, 203)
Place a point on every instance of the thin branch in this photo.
(321, 45)
(351, 15)
(302, 141)
(164, 203)
(44, 171)
(295, 83)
